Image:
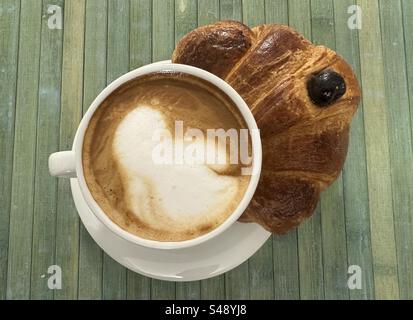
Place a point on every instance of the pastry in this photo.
(303, 97)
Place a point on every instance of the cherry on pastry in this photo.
(326, 87)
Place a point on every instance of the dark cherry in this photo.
(326, 87)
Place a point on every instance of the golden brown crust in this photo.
(304, 145)
(282, 202)
(215, 48)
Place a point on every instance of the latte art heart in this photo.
(182, 196)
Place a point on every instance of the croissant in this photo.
(303, 98)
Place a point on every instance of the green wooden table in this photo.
(48, 78)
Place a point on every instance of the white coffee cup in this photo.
(69, 163)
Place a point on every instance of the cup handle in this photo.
(63, 164)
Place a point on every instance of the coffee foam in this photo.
(160, 202)
(181, 196)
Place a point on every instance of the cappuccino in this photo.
(148, 182)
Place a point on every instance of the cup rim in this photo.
(246, 114)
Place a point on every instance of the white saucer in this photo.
(207, 260)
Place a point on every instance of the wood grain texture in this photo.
(9, 24)
(378, 157)
(407, 10)
(186, 17)
(49, 77)
(276, 11)
(230, 10)
(140, 53)
(140, 33)
(24, 154)
(332, 203)
(400, 139)
(208, 11)
(47, 142)
(310, 255)
(253, 12)
(285, 267)
(163, 41)
(90, 254)
(67, 221)
(356, 201)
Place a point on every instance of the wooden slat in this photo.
(114, 275)
(310, 257)
(378, 157)
(118, 39)
(208, 11)
(163, 44)
(285, 267)
(138, 287)
(309, 234)
(186, 19)
(276, 11)
(332, 203)
(163, 25)
(299, 16)
(407, 7)
(260, 274)
(253, 12)
(355, 169)
(231, 10)
(237, 283)
(67, 222)
(140, 46)
(140, 33)
(21, 211)
(285, 253)
(45, 193)
(213, 289)
(9, 24)
(90, 255)
(401, 153)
